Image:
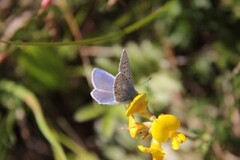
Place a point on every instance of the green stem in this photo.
(42, 124)
(101, 39)
(74, 147)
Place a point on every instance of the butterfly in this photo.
(109, 89)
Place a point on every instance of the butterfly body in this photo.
(112, 90)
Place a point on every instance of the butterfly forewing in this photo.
(124, 66)
(123, 89)
(102, 80)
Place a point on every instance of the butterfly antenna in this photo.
(146, 81)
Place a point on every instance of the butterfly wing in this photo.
(102, 80)
(124, 90)
(124, 66)
(103, 97)
(103, 83)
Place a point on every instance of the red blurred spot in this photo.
(45, 3)
(3, 56)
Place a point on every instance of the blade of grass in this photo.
(31, 101)
(74, 147)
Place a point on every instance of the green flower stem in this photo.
(101, 39)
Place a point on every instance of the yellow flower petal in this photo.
(155, 150)
(175, 144)
(163, 126)
(139, 105)
(177, 138)
(181, 138)
(136, 127)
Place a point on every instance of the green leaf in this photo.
(43, 68)
(88, 113)
(107, 124)
(162, 87)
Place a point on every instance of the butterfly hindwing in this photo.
(103, 97)
(124, 91)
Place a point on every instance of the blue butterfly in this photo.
(112, 90)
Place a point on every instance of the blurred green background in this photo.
(189, 49)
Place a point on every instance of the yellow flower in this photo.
(165, 127)
(176, 139)
(155, 150)
(136, 127)
(139, 105)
